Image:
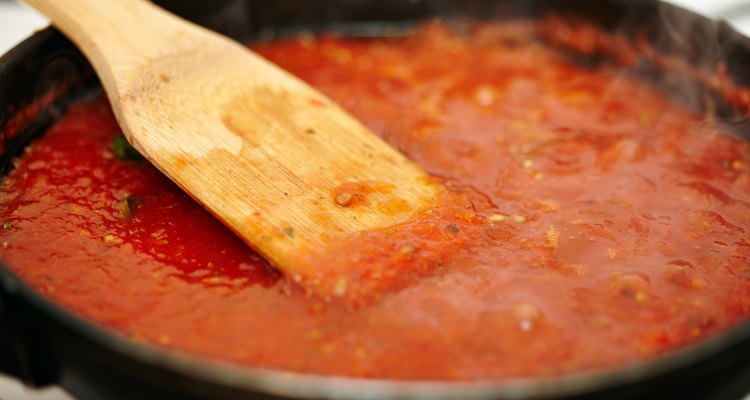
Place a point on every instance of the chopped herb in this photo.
(6, 225)
(129, 205)
(124, 151)
(453, 228)
(289, 232)
(133, 202)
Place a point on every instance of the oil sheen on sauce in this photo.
(589, 222)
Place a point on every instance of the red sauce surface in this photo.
(589, 222)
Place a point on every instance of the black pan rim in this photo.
(296, 385)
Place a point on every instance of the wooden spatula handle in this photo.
(118, 37)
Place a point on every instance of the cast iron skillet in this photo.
(42, 344)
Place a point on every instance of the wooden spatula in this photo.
(279, 163)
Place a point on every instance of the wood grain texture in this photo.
(276, 161)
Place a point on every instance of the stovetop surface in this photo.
(18, 22)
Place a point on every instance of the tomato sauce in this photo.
(588, 222)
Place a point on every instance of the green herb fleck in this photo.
(453, 228)
(128, 206)
(6, 225)
(124, 151)
(289, 232)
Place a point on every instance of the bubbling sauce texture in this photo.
(588, 222)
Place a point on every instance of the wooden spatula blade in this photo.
(278, 162)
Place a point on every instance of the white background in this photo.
(18, 22)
